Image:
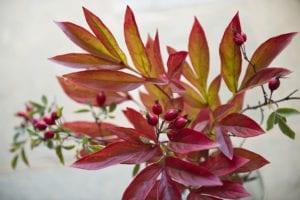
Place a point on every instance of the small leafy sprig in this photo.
(42, 124)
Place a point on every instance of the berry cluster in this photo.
(172, 117)
(43, 122)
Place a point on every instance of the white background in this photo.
(28, 37)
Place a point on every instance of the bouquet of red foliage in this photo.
(182, 134)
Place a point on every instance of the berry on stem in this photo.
(239, 38)
(152, 119)
(180, 122)
(40, 125)
(101, 98)
(157, 108)
(49, 134)
(274, 83)
(48, 119)
(171, 114)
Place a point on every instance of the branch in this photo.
(260, 105)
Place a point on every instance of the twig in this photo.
(260, 105)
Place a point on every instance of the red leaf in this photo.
(82, 60)
(223, 110)
(86, 40)
(135, 45)
(224, 142)
(230, 53)
(129, 134)
(152, 195)
(188, 140)
(154, 55)
(240, 125)
(266, 52)
(238, 100)
(104, 35)
(167, 188)
(194, 195)
(91, 129)
(229, 190)
(202, 120)
(86, 95)
(174, 64)
(106, 80)
(263, 76)
(190, 174)
(140, 123)
(116, 153)
(199, 54)
(255, 161)
(142, 183)
(220, 165)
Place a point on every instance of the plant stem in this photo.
(260, 105)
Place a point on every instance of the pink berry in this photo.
(40, 125)
(157, 108)
(29, 107)
(101, 98)
(48, 119)
(49, 134)
(239, 38)
(22, 114)
(54, 115)
(274, 83)
(171, 114)
(180, 122)
(152, 119)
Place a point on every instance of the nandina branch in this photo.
(260, 105)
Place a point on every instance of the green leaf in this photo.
(24, 157)
(69, 147)
(44, 100)
(285, 129)
(112, 107)
(287, 111)
(32, 133)
(14, 161)
(35, 143)
(83, 110)
(271, 121)
(59, 112)
(60, 155)
(50, 144)
(136, 169)
(38, 106)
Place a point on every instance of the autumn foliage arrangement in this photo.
(180, 135)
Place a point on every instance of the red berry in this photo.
(274, 83)
(180, 122)
(22, 114)
(157, 108)
(49, 134)
(40, 125)
(152, 119)
(54, 115)
(101, 99)
(29, 107)
(171, 114)
(240, 38)
(48, 119)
